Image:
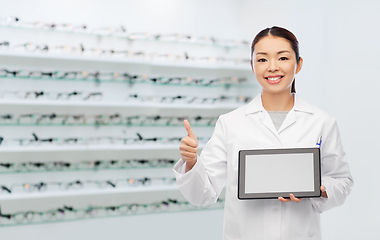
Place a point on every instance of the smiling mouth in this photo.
(274, 80)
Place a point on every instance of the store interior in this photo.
(93, 95)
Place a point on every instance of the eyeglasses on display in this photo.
(110, 140)
(69, 212)
(15, 21)
(223, 99)
(4, 45)
(121, 32)
(81, 49)
(104, 119)
(50, 95)
(79, 184)
(122, 77)
(86, 165)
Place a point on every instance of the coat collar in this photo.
(256, 105)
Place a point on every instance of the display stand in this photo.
(97, 136)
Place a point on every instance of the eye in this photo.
(261, 60)
(283, 58)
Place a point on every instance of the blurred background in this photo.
(93, 93)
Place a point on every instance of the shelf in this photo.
(189, 208)
(93, 148)
(103, 59)
(32, 102)
(98, 125)
(82, 169)
(151, 71)
(131, 37)
(127, 82)
(86, 192)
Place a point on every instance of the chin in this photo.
(277, 90)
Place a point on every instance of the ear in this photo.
(252, 66)
(299, 65)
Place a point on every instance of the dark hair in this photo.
(282, 33)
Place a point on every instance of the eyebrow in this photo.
(283, 51)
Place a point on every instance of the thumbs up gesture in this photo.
(189, 147)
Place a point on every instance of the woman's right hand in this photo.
(189, 147)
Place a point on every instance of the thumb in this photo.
(190, 132)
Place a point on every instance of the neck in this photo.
(277, 101)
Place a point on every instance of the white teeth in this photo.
(273, 79)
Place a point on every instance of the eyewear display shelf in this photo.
(119, 32)
(79, 146)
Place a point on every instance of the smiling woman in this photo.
(275, 61)
(283, 34)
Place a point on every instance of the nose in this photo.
(272, 66)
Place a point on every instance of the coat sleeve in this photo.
(203, 184)
(336, 176)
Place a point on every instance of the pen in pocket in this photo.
(319, 142)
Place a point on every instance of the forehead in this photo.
(272, 44)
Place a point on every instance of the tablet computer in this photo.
(273, 173)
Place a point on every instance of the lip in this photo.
(273, 76)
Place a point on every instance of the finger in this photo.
(190, 132)
(283, 199)
(324, 193)
(293, 198)
(187, 148)
(187, 153)
(189, 142)
(188, 156)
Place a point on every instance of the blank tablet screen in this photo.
(274, 173)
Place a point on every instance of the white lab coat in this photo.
(251, 127)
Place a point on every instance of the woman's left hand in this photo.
(292, 198)
(324, 193)
(297, 200)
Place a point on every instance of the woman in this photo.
(276, 118)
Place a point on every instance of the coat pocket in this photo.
(306, 145)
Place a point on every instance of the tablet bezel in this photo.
(269, 195)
